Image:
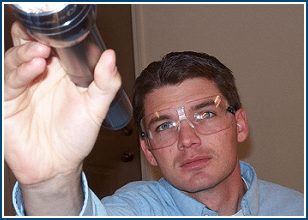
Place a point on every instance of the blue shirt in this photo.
(159, 198)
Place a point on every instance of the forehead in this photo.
(174, 95)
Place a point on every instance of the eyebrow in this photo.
(203, 104)
(157, 119)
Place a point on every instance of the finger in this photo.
(19, 34)
(16, 56)
(27, 72)
(22, 65)
(106, 75)
(16, 83)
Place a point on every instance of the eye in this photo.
(165, 126)
(204, 115)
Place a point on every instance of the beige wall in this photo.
(263, 45)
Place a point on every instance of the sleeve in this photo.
(92, 206)
(18, 200)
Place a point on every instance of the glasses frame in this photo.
(144, 135)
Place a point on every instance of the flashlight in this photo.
(70, 29)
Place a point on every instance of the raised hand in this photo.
(50, 125)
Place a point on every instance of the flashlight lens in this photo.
(37, 7)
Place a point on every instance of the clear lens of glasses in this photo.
(206, 116)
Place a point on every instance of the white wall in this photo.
(263, 44)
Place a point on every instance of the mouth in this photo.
(195, 163)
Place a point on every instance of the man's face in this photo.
(194, 162)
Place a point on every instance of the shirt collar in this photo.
(251, 200)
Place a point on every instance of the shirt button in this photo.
(206, 214)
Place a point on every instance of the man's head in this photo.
(176, 67)
(169, 94)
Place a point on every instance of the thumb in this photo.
(107, 82)
(106, 76)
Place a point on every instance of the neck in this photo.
(225, 198)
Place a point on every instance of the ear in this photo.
(242, 125)
(148, 154)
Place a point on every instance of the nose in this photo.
(187, 136)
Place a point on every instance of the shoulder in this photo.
(280, 191)
(270, 199)
(280, 200)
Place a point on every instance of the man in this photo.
(190, 119)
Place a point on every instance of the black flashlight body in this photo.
(72, 32)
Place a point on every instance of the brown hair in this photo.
(176, 67)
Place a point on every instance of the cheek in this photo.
(165, 159)
(223, 143)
